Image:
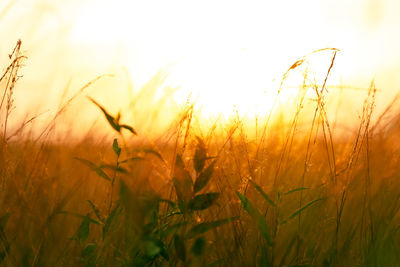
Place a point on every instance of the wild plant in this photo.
(151, 233)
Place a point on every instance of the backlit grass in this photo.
(294, 194)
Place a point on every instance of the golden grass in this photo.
(294, 195)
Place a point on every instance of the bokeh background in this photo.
(225, 55)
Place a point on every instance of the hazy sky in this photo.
(233, 50)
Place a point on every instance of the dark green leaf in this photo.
(264, 260)
(169, 202)
(204, 177)
(118, 117)
(180, 247)
(168, 229)
(125, 194)
(288, 249)
(129, 128)
(113, 167)
(173, 213)
(96, 211)
(95, 168)
(111, 120)
(84, 228)
(265, 196)
(164, 253)
(257, 217)
(200, 155)
(149, 151)
(132, 159)
(204, 227)
(89, 249)
(201, 202)
(296, 190)
(184, 192)
(297, 212)
(110, 219)
(3, 253)
(179, 164)
(183, 183)
(116, 147)
(114, 122)
(198, 246)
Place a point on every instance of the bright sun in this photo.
(228, 57)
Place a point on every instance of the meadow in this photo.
(290, 192)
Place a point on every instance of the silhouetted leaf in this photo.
(198, 246)
(201, 202)
(118, 117)
(116, 147)
(125, 194)
(265, 196)
(183, 183)
(169, 202)
(129, 128)
(96, 211)
(113, 167)
(172, 213)
(204, 227)
(297, 212)
(84, 228)
(4, 252)
(110, 219)
(150, 151)
(296, 190)
(257, 217)
(180, 247)
(132, 159)
(204, 177)
(89, 249)
(164, 253)
(200, 155)
(169, 229)
(264, 260)
(95, 168)
(179, 165)
(111, 120)
(288, 249)
(114, 122)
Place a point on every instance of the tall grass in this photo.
(294, 195)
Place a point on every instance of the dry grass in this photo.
(294, 195)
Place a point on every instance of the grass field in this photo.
(294, 193)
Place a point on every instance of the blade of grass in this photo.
(297, 212)
(257, 217)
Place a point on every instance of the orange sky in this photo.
(226, 53)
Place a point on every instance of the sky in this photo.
(225, 55)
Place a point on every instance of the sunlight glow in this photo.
(228, 60)
(228, 56)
